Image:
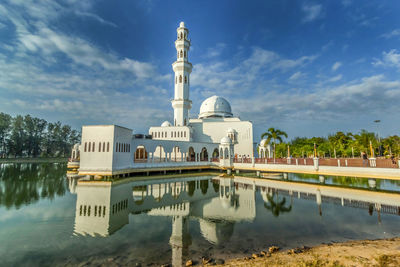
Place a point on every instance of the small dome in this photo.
(226, 140)
(230, 130)
(215, 106)
(263, 143)
(166, 124)
(182, 24)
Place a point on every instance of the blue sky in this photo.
(310, 68)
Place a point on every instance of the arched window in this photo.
(175, 123)
(99, 146)
(221, 153)
(184, 133)
(116, 147)
(185, 79)
(226, 153)
(85, 147)
(180, 78)
(93, 147)
(184, 122)
(162, 134)
(181, 35)
(181, 53)
(104, 146)
(108, 146)
(184, 53)
(90, 145)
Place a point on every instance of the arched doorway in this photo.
(215, 153)
(204, 154)
(176, 154)
(191, 155)
(140, 154)
(159, 154)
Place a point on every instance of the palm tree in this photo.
(275, 135)
(278, 206)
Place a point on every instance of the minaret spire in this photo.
(182, 68)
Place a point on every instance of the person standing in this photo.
(365, 159)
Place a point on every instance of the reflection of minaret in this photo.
(319, 201)
(180, 239)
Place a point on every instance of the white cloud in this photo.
(336, 65)
(95, 17)
(93, 85)
(336, 78)
(389, 59)
(326, 103)
(296, 76)
(394, 33)
(311, 12)
(216, 51)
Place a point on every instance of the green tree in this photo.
(275, 135)
(17, 137)
(363, 140)
(5, 127)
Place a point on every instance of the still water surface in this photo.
(48, 219)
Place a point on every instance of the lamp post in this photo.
(379, 138)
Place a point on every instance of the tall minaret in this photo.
(182, 69)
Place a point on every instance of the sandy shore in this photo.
(353, 253)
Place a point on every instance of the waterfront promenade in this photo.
(376, 168)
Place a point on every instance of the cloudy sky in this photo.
(307, 67)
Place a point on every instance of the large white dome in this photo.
(215, 106)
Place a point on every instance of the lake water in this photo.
(48, 219)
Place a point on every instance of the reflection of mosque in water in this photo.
(217, 203)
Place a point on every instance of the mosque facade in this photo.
(215, 119)
(215, 133)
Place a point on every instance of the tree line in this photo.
(339, 144)
(26, 136)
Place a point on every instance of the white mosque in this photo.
(216, 133)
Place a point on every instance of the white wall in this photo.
(95, 159)
(184, 133)
(213, 129)
(122, 160)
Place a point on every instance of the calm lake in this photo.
(48, 219)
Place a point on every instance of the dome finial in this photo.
(182, 24)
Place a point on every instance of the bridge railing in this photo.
(334, 162)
